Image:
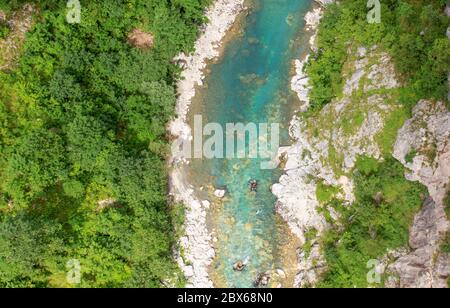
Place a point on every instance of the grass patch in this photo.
(447, 203)
(393, 122)
(310, 236)
(367, 165)
(368, 228)
(445, 246)
(325, 193)
(4, 31)
(352, 122)
(335, 161)
(410, 157)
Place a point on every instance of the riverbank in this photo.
(296, 193)
(195, 249)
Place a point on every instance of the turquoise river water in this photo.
(250, 83)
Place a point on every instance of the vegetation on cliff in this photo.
(414, 33)
(379, 220)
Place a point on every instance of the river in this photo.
(250, 83)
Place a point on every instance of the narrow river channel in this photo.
(250, 83)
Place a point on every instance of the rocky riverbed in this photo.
(195, 252)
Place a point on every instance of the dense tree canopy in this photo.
(82, 137)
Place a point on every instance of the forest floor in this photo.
(17, 24)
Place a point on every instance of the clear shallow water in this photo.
(250, 84)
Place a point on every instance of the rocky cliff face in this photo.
(327, 146)
(361, 123)
(426, 140)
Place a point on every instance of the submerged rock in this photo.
(239, 266)
(281, 273)
(253, 184)
(220, 193)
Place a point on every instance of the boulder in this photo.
(206, 204)
(220, 193)
(239, 266)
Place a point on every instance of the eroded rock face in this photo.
(140, 39)
(300, 84)
(309, 160)
(426, 137)
(424, 266)
(312, 266)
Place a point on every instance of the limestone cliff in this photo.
(426, 138)
(364, 122)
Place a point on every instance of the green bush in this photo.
(447, 203)
(445, 246)
(325, 193)
(4, 31)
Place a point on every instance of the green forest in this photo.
(83, 143)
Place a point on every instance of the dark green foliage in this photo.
(447, 203)
(410, 157)
(413, 31)
(4, 31)
(30, 250)
(379, 220)
(82, 135)
(445, 246)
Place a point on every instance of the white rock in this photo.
(325, 2)
(206, 204)
(220, 193)
(312, 18)
(281, 273)
(300, 83)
